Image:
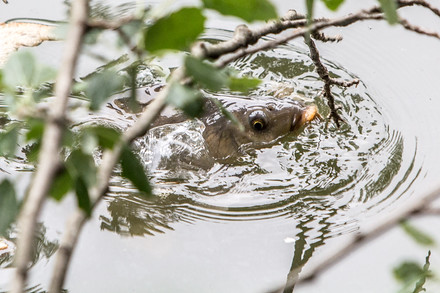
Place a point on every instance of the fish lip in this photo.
(306, 115)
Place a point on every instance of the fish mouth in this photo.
(307, 115)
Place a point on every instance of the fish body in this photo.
(261, 120)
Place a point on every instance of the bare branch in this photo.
(415, 208)
(49, 160)
(423, 3)
(418, 29)
(328, 81)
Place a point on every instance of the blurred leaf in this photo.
(333, 4)
(408, 271)
(44, 91)
(389, 7)
(231, 117)
(101, 86)
(412, 275)
(243, 84)
(36, 129)
(8, 205)
(133, 170)
(176, 31)
(32, 151)
(205, 74)
(23, 70)
(107, 136)
(249, 10)
(426, 274)
(418, 235)
(82, 196)
(186, 99)
(88, 142)
(310, 4)
(61, 185)
(8, 140)
(92, 36)
(81, 165)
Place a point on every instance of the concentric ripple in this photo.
(366, 163)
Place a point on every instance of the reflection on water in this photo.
(353, 164)
(313, 179)
(43, 248)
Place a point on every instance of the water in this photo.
(241, 227)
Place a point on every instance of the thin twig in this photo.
(48, 160)
(418, 29)
(423, 3)
(328, 81)
(414, 208)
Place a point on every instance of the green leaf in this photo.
(82, 196)
(61, 185)
(243, 84)
(8, 141)
(310, 7)
(101, 86)
(1, 80)
(389, 7)
(81, 165)
(176, 31)
(133, 170)
(413, 276)
(36, 130)
(23, 70)
(8, 205)
(408, 271)
(205, 74)
(249, 10)
(333, 4)
(186, 99)
(107, 136)
(418, 235)
(32, 151)
(231, 117)
(88, 142)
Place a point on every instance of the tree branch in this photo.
(415, 208)
(49, 159)
(328, 81)
(236, 48)
(109, 160)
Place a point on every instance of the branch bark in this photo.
(49, 159)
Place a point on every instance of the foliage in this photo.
(412, 275)
(8, 205)
(27, 86)
(186, 25)
(419, 236)
(250, 10)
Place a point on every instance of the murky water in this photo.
(242, 226)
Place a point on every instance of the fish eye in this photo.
(258, 120)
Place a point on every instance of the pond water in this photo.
(243, 226)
